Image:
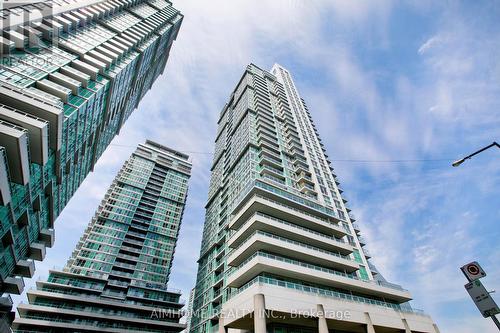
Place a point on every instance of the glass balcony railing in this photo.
(315, 267)
(74, 283)
(295, 209)
(298, 227)
(118, 283)
(326, 292)
(289, 241)
(94, 309)
(114, 294)
(92, 323)
(152, 285)
(308, 203)
(124, 265)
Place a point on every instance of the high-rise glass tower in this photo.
(116, 278)
(71, 73)
(279, 238)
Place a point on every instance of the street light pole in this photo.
(495, 320)
(458, 162)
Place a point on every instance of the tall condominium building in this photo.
(189, 310)
(280, 249)
(71, 72)
(116, 278)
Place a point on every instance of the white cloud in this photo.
(429, 44)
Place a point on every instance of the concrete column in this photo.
(322, 325)
(407, 327)
(222, 329)
(369, 324)
(259, 313)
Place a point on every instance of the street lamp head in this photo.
(458, 162)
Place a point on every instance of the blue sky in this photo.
(384, 80)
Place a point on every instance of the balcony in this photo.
(114, 294)
(37, 131)
(118, 283)
(271, 153)
(29, 101)
(265, 124)
(261, 262)
(130, 249)
(266, 223)
(285, 212)
(15, 140)
(263, 241)
(297, 152)
(293, 139)
(291, 131)
(275, 172)
(132, 241)
(265, 127)
(126, 256)
(300, 169)
(266, 131)
(6, 304)
(367, 253)
(37, 251)
(299, 156)
(25, 268)
(124, 265)
(14, 285)
(307, 188)
(220, 253)
(218, 279)
(136, 234)
(304, 178)
(219, 265)
(47, 236)
(270, 160)
(300, 163)
(217, 295)
(269, 142)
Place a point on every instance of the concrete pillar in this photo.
(222, 329)
(369, 324)
(322, 325)
(259, 313)
(407, 327)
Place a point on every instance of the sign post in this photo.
(480, 296)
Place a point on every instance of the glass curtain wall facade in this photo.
(71, 73)
(116, 279)
(278, 234)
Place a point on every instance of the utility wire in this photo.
(181, 151)
(395, 161)
(332, 160)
